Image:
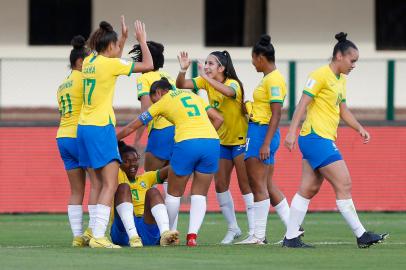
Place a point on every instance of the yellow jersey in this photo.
(186, 111)
(99, 77)
(234, 128)
(144, 83)
(323, 113)
(271, 89)
(139, 187)
(70, 98)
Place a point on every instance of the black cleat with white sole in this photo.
(369, 238)
(295, 243)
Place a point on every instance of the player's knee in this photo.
(346, 186)
(309, 191)
(154, 196)
(123, 193)
(220, 187)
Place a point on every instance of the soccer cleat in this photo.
(78, 241)
(102, 242)
(368, 239)
(135, 242)
(169, 238)
(87, 235)
(295, 243)
(191, 240)
(231, 235)
(252, 240)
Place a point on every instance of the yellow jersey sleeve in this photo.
(314, 84)
(122, 177)
(275, 90)
(120, 66)
(199, 83)
(143, 86)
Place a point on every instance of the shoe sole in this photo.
(229, 243)
(173, 239)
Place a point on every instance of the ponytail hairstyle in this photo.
(157, 52)
(162, 84)
(343, 44)
(224, 59)
(100, 39)
(125, 148)
(264, 47)
(79, 50)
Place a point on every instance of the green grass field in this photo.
(43, 242)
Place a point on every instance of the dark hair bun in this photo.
(106, 26)
(78, 42)
(165, 79)
(341, 37)
(265, 40)
(121, 144)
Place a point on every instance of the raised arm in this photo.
(215, 118)
(297, 116)
(141, 36)
(222, 88)
(276, 109)
(124, 35)
(184, 63)
(351, 121)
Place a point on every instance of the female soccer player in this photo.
(160, 131)
(324, 98)
(197, 148)
(140, 208)
(70, 98)
(226, 94)
(96, 133)
(263, 139)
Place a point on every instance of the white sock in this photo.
(92, 215)
(249, 207)
(298, 209)
(165, 187)
(75, 214)
(261, 210)
(349, 213)
(282, 208)
(161, 217)
(101, 220)
(172, 204)
(197, 212)
(227, 208)
(126, 212)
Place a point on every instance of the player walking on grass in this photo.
(226, 95)
(324, 98)
(263, 140)
(96, 132)
(70, 99)
(196, 150)
(139, 207)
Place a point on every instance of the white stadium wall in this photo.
(301, 30)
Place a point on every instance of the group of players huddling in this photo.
(189, 136)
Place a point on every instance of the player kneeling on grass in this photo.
(140, 216)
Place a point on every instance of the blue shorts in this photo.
(97, 146)
(160, 142)
(149, 233)
(255, 138)
(68, 149)
(231, 151)
(201, 155)
(318, 151)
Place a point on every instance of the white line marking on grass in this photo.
(23, 247)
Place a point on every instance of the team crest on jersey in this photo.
(143, 184)
(275, 91)
(310, 83)
(139, 86)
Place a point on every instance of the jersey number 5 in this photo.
(88, 87)
(185, 103)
